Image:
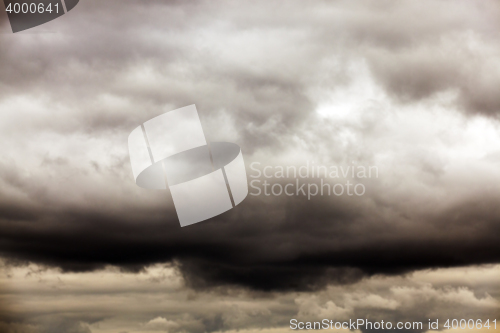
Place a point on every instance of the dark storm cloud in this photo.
(264, 244)
(254, 70)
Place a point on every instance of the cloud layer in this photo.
(156, 300)
(409, 88)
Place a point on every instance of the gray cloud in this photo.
(378, 84)
(157, 300)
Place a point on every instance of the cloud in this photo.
(156, 300)
(337, 84)
(450, 64)
(161, 324)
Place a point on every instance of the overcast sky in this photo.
(410, 87)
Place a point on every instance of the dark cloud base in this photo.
(311, 245)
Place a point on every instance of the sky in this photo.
(408, 87)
